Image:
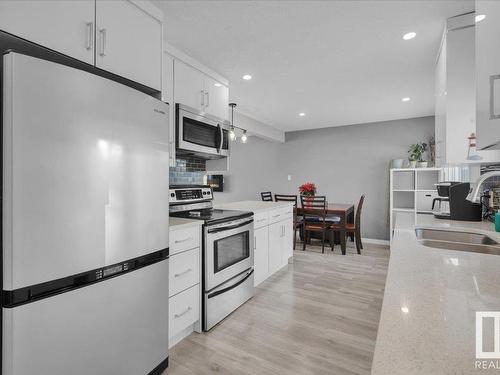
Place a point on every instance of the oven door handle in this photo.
(216, 293)
(217, 230)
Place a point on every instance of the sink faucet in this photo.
(475, 194)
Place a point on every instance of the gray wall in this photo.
(344, 162)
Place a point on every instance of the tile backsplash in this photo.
(187, 171)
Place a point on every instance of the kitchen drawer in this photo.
(280, 214)
(260, 219)
(184, 239)
(184, 271)
(424, 200)
(184, 310)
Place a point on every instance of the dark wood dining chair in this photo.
(297, 222)
(266, 196)
(352, 228)
(314, 217)
(356, 226)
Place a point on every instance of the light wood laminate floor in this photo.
(318, 315)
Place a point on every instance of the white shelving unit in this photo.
(412, 191)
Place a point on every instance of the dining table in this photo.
(345, 211)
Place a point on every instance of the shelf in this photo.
(404, 209)
(424, 212)
(427, 190)
(404, 190)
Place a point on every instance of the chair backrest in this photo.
(286, 198)
(313, 201)
(358, 211)
(266, 196)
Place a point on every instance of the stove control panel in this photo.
(190, 194)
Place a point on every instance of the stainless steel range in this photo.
(228, 250)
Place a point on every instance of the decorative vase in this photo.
(422, 164)
(413, 164)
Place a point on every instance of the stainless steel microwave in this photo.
(201, 135)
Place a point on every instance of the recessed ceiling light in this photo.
(409, 36)
(217, 84)
(302, 114)
(247, 77)
(480, 17)
(405, 99)
(405, 309)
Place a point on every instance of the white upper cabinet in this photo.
(217, 98)
(128, 42)
(189, 86)
(64, 26)
(488, 72)
(200, 91)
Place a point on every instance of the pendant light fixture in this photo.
(232, 133)
(244, 137)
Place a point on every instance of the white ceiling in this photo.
(340, 62)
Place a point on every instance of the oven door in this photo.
(201, 135)
(228, 251)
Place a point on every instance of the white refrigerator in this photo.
(84, 223)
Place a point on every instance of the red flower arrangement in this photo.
(307, 189)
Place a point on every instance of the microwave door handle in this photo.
(221, 137)
(217, 230)
(218, 139)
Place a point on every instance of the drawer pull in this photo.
(183, 272)
(277, 215)
(183, 313)
(261, 220)
(184, 240)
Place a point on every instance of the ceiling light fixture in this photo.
(405, 309)
(479, 17)
(405, 99)
(302, 114)
(217, 84)
(247, 77)
(232, 129)
(409, 36)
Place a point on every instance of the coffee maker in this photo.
(459, 207)
(443, 201)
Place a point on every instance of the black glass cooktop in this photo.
(212, 216)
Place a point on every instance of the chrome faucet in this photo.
(475, 194)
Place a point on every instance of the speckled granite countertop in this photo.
(427, 324)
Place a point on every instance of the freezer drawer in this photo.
(115, 327)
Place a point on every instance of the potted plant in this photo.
(308, 190)
(416, 152)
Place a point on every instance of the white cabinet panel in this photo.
(128, 42)
(184, 239)
(488, 72)
(184, 271)
(261, 219)
(189, 86)
(288, 233)
(275, 247)
(261, 254)
(64, 26)
(217, 98)
(168, 96)
(184, 310)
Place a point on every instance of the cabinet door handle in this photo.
(254, 242)
(89, 36)
(184, 240)
(276, 215)
(202, 98)
(493, 115)
(183, 313)
(102, 49)
(208, 98)
(183, 272)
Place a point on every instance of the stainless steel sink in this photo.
(459, 241)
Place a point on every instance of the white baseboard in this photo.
(376, 242)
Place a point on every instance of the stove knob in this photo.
(172, 195)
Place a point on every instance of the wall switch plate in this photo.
(289, 177)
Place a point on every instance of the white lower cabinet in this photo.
(184, 275)
(184, 311)
(261, 254)
(273, 241)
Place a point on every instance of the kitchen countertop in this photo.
(427, 324)
(254, 206)
(180, 223)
